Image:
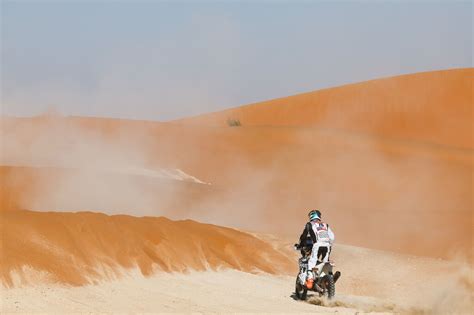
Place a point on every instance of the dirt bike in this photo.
(324, 281)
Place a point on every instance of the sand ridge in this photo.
(84, 247)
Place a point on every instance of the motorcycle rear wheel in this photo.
(330, 286)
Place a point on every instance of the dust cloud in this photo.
(380, 180)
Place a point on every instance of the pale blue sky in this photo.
(163, 60)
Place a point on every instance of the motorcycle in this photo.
(324, 280)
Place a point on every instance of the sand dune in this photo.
(435, 107)
(85, 247)
(397, 183)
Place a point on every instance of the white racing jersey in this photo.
(324, 234)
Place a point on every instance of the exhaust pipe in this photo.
(337, 274)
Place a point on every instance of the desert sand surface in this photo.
(205, 292)
(93, 210)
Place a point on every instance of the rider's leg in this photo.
(313, 260)
(324, 254)
(320, 259)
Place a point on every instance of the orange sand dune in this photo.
(405, 188)
(429, 106)
(80, 248)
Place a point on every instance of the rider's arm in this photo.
(331, 234)
(303, 235)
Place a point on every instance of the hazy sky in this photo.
(162, 60)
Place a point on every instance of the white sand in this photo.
(225, 291)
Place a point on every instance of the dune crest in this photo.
(85, 247)
(431, 106)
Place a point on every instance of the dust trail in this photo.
(456, 295)
(453, 295)
(365, 304)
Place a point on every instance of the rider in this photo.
(322, 238)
